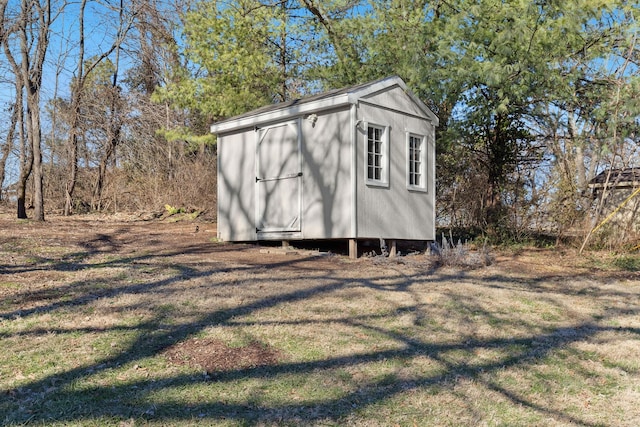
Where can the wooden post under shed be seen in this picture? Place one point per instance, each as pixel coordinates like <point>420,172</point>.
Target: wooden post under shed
<point>353,248</point>
<point>393,248</point>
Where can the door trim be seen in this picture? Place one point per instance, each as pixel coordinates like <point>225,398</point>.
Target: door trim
<point>276,233</point>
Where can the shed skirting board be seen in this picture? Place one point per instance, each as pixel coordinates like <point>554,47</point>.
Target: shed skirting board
<point>268,236</point>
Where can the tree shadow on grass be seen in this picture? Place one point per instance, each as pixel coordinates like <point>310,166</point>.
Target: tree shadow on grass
<point>78,395</point>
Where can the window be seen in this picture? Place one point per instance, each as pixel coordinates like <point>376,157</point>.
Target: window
<point>416,162</point>
<point>377,155</point>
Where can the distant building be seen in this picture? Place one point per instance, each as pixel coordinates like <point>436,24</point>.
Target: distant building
<point>620,185</point>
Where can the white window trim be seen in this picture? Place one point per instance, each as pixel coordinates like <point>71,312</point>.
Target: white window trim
<point>423,162</point>
<point>384,179</point>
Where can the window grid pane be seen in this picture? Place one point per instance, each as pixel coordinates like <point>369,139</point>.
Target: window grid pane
<point>374,153</point>
<point>415,161</point>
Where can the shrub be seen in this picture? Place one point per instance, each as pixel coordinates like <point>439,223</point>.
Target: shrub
<point>461,254</point>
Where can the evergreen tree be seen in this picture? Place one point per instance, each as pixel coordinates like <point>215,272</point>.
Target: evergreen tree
<point>233,59</point>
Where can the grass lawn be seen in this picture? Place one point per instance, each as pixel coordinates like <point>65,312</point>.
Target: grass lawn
<point>135,323</point>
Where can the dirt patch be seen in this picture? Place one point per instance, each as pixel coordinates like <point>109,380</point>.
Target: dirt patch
<point>216,356</point>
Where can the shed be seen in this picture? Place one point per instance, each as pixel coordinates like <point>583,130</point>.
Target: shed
<point>615,179</point>
<point>621,205</point>
<point>356,163</point>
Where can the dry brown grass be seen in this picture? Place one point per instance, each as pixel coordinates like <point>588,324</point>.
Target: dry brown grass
<point>93,311</point>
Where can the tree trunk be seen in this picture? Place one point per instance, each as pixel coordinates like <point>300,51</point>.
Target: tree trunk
<point>114,120</point>
<point>26,165</point>
<point>8,146</point>
<point>26,154</point>
<point>495,177</point>
<point>6,149</point>
<point>73,173</point>
<point>72,141</point>
<point>30,73</point>
<point>36,148</point>
<point>102,170</point>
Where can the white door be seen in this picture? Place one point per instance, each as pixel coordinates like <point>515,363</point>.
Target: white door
<point>278,178</point>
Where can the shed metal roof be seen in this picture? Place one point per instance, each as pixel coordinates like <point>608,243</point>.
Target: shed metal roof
<point>629,177</point>
<point>319,102</point>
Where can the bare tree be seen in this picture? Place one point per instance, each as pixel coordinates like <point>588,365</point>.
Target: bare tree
<point>31,29</point>
<point>8,145</point>
<point>26,152</point>
<point>115,113</point>
<point>77,93</point>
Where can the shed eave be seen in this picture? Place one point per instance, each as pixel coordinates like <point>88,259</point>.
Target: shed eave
<point>434,119</point>
<point>386,84</point>
<point>614,185</point>
<point>345,97</point>
<point>278,114</point>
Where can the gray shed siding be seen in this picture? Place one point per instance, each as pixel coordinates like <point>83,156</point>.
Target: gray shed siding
<point>326,163</point>
<point>326,154</point>
<point>395,211</point>
<point>236,186</point>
